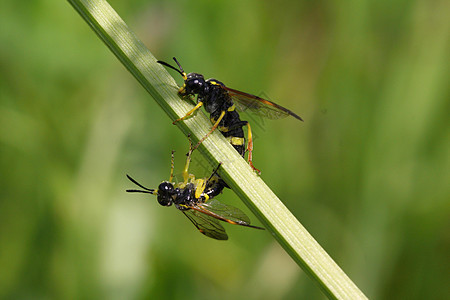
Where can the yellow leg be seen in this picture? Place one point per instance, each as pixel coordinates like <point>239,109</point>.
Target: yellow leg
<point>189,112</point>
<point>201,185</point>
<point>186,174</point>
<point>211,131</point>
<point>171,166</point>
<point>250,149</point>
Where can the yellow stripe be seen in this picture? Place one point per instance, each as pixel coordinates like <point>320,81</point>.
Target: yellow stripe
<point>237,141</point>
<point>231,108</point>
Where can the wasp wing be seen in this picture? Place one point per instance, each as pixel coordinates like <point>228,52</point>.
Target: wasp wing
<point>258,105</point>
<point>224,212</point>
<point>206,224</point>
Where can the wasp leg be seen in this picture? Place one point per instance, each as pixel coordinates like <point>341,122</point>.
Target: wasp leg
<point>200,188</point>
<point>250,149</point>
<point>171,166</point>
<point>189,112</point>
<point>212,129</point>
<point>186,175</point>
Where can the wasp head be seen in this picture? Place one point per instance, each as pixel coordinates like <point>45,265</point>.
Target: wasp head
<point>166,192</point>
<point>193,84</point>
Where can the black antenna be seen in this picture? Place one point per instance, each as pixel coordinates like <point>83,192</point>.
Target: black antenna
<point>147,190</point>
<point>178,64</point>
<point>172,67</point>
<point>139,191</point>
<point>214,172</point>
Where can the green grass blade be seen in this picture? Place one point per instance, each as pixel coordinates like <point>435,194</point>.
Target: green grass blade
<point>291,235</point>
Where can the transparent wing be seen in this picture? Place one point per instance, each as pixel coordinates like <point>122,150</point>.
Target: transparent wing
<point>224,212</point>
<point>206,224</point>
<point>259,106</point>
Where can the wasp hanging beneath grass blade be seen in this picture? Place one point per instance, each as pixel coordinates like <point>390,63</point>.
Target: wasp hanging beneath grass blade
<point>194,197</point>
<point>221,103</point>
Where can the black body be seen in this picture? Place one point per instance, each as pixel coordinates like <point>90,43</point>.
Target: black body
<point>216,100</point>
<point>221,103</point>
<point>183,198</point>
<point>204,212</point>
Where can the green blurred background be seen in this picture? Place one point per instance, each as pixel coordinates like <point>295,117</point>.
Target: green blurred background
<point>367,173</point>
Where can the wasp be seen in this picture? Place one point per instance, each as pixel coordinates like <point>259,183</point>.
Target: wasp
<point>222,103</point>
<point>194,198</point>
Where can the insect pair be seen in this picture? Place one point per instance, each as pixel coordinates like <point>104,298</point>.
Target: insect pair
<point>194,198</point>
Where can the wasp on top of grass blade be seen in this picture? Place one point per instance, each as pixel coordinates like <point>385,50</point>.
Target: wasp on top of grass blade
<point>194,197</point>
<point>221,103</point>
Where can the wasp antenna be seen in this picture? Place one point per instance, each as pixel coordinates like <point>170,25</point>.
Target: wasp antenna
<point>181,69</point>
<point>172,67</point>
<point>139,191</point>
<point>150,191</point>
<point>217,168</point>
<point>214,172</point>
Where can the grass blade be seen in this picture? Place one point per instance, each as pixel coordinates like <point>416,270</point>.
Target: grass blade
<point>291,235</point>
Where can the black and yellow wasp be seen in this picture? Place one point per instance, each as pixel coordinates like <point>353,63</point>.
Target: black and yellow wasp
<point>194,197</point>
<point>221,103</point>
